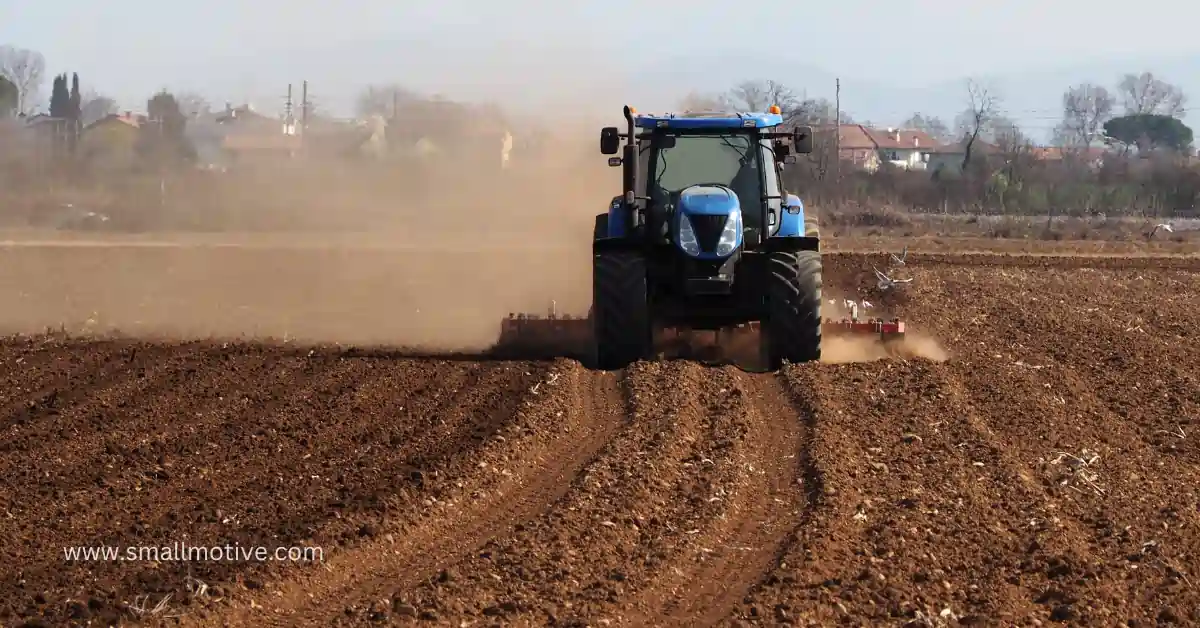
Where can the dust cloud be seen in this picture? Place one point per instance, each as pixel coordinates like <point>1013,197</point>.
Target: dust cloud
<point>846,349</point>
<point>843,349</point>
<point>329,249</point>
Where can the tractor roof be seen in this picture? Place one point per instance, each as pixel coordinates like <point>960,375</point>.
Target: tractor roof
<point>718,120</point>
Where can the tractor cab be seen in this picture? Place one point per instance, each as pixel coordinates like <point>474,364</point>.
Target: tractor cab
<point>681,168</point>
<point>678,160</point>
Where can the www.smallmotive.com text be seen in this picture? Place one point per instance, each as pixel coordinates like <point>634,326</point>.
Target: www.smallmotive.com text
<point>183,552</point>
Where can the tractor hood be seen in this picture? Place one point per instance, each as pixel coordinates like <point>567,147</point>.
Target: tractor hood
<point>708,222</point>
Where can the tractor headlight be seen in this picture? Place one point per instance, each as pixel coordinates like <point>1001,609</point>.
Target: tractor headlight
<point>729,236</point>
<point>687,236</point>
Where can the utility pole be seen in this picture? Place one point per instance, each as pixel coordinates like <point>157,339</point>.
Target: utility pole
<point>162,175</point>
<point>288,119</point>
<point>305,106</point>
<point>837,131</point>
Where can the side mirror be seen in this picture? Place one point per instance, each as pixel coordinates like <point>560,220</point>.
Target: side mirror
<point>802,138</point>
<point>610,140</point>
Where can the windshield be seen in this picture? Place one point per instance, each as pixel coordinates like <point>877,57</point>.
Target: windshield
<point>730,160</point>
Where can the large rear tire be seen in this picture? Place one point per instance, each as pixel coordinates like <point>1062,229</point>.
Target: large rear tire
<point>811,228</point>
<point>792,329</point>
<point>621,309</point>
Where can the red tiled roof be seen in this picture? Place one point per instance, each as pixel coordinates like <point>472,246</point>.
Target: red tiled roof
<point>855,136</point>
<point>128,118</point>
<point>900,138</point>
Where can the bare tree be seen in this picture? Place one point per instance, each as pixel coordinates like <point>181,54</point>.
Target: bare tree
<point>705,102</point>
<point>381,100</point>
<point>816,112</point>
<point>192,104</point>
<point>977,118</point>
<point>95,107</point>
<point>8,98</point>
<point>1086,108</point>
<point>759,95</point>
<point>1144,93</point>
<point>1014,144</point>
<point>24,69</point>
<point>931,125</point>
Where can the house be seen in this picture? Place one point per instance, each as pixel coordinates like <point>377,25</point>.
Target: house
<point>239,134</point>
<point>46,127</point>
<point>868,148</point>
<point>909,150</point>
<point>949,158</point>
<point>111,141</point>
<point>856,146</point>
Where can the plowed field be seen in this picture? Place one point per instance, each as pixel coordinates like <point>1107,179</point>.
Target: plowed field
<point>1047,471</point>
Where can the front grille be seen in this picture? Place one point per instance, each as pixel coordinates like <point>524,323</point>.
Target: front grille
<point>708,230</point>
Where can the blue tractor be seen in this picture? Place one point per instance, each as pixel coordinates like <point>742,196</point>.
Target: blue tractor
<point>705,237</point>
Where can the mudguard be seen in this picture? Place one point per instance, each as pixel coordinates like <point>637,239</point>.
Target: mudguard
<point>791,223</point>
<point>617,218</point>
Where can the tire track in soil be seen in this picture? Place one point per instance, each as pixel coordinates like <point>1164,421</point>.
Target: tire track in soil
<point>621,525</point>
<point>548,433</point>
<point>764,499</point>
<point>912,518</point>
<point>612,525</point>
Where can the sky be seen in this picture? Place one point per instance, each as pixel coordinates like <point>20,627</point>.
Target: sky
<point>251,49</point>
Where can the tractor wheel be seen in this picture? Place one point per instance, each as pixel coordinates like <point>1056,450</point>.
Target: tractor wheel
<point>623,332</point>
<point>810,226</point>
<point>792,329</point>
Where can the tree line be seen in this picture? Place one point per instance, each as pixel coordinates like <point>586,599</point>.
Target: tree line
<point>1122,151</point>
<point>1145,165</point>
<point>161,138</point>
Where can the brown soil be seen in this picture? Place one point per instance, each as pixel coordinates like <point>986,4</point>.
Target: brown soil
<point>1034,460</point>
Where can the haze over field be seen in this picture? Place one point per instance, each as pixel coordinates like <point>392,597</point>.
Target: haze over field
<point>892,59</point>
